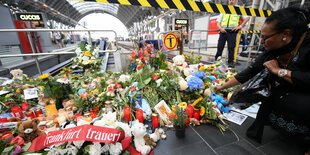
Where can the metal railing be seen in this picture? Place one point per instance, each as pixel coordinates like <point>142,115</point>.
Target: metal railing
<point>35,55</point>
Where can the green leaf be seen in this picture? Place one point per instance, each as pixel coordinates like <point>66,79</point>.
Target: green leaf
<point>147,81</point>
<point>26,146</point>
<point>141,85</point>
<point>126,153</point>
<point>8,150</point>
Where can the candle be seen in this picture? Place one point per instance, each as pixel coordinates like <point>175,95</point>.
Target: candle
<point>70,115</point>
<point>25,106</point>
<point>88,117</point>
<point>127,114</point>
<point>78,116</point>
<point>108,106</point>
<point>139,115</point>
<point>17,112</point>
<point>190,110</point>
<point>93,114</point>
<point>155,120</point>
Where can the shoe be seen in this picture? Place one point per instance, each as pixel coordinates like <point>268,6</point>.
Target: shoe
<point>231,65</point>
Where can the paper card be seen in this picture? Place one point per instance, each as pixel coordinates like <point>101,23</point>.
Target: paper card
<point>245,112</point>
<point>2,92</point>
<point>163,110</point>
<point>30,93</point>
<point>235,117</point>
<point>7,82</point>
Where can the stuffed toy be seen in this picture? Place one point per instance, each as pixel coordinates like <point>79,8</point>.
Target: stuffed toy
<point>138,130</point>
<point>69,103</point>
<point>183,84</point>
<point>111,90</point>
<point>18,74</point>
<point>149,141</point>
<point>14,119</point>
<point>156,135</point>
<point>29,129</point>
<point>178,60</point>
<point>220,102</point>
<point>44,101</point>
<point>188,71</point>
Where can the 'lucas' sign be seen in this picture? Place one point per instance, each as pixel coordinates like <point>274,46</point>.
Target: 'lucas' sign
<point>29,16</point>
<point>84,132</point>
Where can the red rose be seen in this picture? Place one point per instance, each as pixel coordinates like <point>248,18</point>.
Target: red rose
<point>17,141</point>
<point>155,77</point>
<point>139,67</point>
<point>133,88</point>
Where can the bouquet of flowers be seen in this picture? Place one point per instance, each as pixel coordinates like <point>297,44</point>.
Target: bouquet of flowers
<point>192,59</point>
<point>87,58</point>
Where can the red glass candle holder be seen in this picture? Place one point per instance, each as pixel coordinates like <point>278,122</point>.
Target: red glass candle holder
<point>17,112</point>
<point>30,114</point>
<point>155,120</point>
<point>38,112</point>
<point>25,106</point>
<point>78,116</point>
<point>127,114</point>
<point>139,115</point>
<point>190,110</point>
<point>197,114</point>
<point>93,114</point>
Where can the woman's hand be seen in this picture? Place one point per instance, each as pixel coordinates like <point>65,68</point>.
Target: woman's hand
<point>272,66</point>
<point>217,89</point>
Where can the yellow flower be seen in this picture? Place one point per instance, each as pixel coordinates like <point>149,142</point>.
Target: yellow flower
<point>182,105</point>
<point>74,77</point>
<point>198,100</point>
<point>202,68</point>
<point>25,86</point>
<point>192,52</point>
<point>202,111</point>
<point>17,90</point>
<point>44,76</point>
<point>206,84</point>
<point>173,108</point>
<point>96,91</point>
<point>87,53</point>
<point>212,67</point>
<point>7,95</point>
<point>230,76</point>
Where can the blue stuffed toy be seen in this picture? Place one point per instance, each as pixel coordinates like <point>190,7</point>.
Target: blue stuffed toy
<point>220,102</point>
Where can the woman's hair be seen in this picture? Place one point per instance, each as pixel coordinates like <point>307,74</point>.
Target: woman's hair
<point>292,18</point>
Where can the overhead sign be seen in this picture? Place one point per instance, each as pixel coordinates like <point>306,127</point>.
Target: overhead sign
<point>191,5</point>
<point>29,16</point>
<point>170,41</point>
<point>181,21</point>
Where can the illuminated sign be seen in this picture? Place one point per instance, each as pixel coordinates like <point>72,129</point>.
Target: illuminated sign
<point>29,16</point>
<point>181,21</point>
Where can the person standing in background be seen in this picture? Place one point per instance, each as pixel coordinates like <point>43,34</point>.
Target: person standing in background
<point>229,27</point>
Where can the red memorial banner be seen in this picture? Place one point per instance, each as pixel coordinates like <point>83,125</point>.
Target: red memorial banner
<point>84,132</point>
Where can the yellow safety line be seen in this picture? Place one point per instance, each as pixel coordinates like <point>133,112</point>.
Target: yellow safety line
<point>261,12</point>
<point>208,7</point>
<point>178,4</point>
<point>252,12</point>
<point>193,5</point>
<point>124,2</point>
<point>268,12</point>
<point>242,10</point>
<point>237,47</point>
<point>145,3</point>
<point>220,8</point>
<point>102,1</point>
<point>232,9</point>
<point>162,4</point>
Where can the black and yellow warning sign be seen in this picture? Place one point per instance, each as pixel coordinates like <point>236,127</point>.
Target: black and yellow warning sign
<point>170,41</point>
<point>254,31</point>
<point>191,5</point>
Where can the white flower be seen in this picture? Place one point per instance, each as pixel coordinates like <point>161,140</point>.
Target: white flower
<point>78,51</point>
<point>95,149</point>
<point>188,71</point>
<point>88,47</point>
<point>159,81</point>
<point>179,59</point>
<point>78,144</point>
<point>86,62</point>
<point>105,148</point>
<point>108,120</point>
<point>123,78</point>
<point>82,122</point>
<point>125,127</point>
<point>116,149</point>
<point>63,80</point>
<point>85,58</point>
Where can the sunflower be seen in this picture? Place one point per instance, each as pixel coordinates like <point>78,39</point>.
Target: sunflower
<point>212,67</point>
<point>202,111</point>
<point>44,76</point>
<point>202,68</point>
<point>87,53</point>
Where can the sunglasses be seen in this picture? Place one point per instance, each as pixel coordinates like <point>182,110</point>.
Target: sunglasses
<point>267,37</point>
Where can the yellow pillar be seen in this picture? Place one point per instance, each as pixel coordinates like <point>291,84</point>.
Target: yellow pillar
<point>237,46</point>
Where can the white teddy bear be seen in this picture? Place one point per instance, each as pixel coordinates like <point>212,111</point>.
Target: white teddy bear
<point>183,84</point>
<point>138,130</point>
